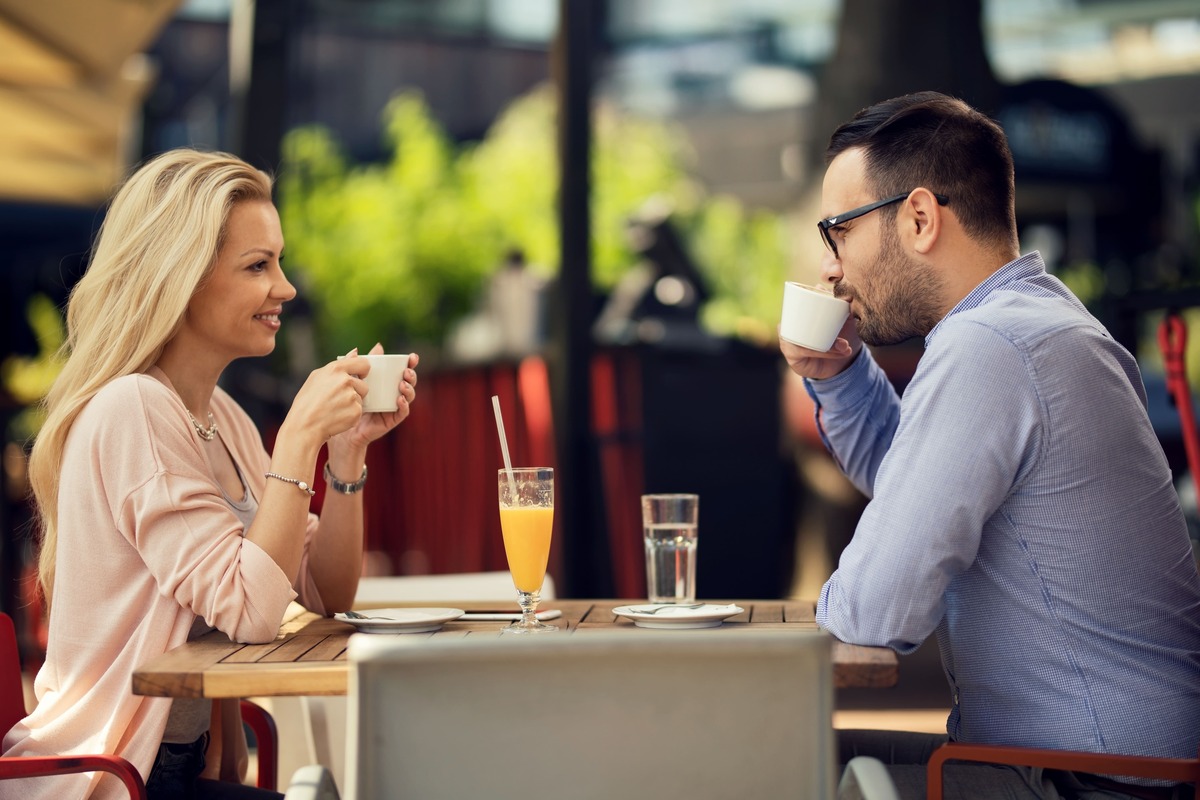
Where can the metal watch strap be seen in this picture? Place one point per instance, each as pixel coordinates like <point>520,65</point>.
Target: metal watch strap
<point>342,486</point>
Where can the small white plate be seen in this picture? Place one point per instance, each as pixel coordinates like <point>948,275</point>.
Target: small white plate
<point>401,620</point>
<point>649,615</point>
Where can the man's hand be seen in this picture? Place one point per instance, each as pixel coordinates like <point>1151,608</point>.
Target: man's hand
<point>817,365</point>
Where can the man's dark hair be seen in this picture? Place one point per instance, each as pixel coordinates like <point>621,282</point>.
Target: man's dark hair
<point>931,140</point>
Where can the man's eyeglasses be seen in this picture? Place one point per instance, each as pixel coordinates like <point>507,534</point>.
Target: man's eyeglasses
<point>832,222</point>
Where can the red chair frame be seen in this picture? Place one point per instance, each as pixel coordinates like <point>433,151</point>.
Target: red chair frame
<point>1180,770</point>
<point>38,766</point>
<point>267,741</point>
<point>12,710</point>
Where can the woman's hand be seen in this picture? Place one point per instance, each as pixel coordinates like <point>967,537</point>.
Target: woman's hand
<point>330,401</point>
<point>373,424</point>
<point>337,559</point>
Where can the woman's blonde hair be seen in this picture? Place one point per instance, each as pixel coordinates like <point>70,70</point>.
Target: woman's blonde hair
<point>155,248</point>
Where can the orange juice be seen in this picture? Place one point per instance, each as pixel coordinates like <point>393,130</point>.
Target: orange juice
<point>527,544</point>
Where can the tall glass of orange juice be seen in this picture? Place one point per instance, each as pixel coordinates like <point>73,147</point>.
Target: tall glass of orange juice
<point>526,520</point>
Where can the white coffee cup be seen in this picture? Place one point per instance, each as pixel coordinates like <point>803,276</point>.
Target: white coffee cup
<point>383,381</point>
<point>811,318</point>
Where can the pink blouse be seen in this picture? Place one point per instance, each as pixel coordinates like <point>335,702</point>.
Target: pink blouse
<point>145,542</point>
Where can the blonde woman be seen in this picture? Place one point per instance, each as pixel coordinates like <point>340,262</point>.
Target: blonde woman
<point>162,515</point>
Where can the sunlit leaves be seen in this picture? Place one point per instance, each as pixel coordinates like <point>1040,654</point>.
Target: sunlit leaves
<point>400,251</point>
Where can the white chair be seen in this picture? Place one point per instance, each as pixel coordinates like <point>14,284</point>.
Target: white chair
<point>312,730</point>
<point>645,714</point>
<point>313,782</point>
<point>864,778</point>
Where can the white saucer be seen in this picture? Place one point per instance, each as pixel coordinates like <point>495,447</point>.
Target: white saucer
<point>401,620</point>
<point>647,615</point>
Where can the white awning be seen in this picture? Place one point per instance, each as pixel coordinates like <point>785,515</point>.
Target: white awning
<point>72,80</point>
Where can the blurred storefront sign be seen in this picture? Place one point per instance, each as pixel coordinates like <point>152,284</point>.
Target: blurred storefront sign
<point>1067,138</point>
<point>1083,174</point>
<point>1058,140</point>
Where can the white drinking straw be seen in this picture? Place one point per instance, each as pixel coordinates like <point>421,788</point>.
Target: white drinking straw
<point>512,483</point>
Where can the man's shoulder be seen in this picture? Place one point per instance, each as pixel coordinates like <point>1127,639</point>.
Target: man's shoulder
<point>1027,315</point>
<point>1042,334</point>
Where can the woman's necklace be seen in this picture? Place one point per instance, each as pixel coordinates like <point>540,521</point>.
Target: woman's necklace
<point>207,434</point>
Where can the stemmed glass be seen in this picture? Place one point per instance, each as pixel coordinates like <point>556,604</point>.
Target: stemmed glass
<point>526,520</point>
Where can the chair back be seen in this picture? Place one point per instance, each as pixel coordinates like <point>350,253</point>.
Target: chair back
<point>313,729</point>
<point>628,714</point>
<point>497,586</point>
<point>12,689</point>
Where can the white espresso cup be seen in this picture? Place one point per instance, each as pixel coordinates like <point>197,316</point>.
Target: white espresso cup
<point>811,318</point>
<point>383,381</point>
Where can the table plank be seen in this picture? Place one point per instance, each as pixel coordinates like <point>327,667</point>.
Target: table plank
<point>180,672</point>
<point>252,653</point>
<point>247,680</point>
<point>309,656</point>
<point>864,667</point>
<point>767,612</point>
<point>294,648</point>
<point>328,649</point>
<point>800,611</point>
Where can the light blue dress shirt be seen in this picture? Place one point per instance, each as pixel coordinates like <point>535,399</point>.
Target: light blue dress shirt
<point>1022,509</point>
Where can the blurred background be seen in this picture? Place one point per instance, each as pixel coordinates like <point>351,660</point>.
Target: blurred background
<point>587,208</point>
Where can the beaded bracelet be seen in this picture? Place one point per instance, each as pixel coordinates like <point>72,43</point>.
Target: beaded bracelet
<point>301,485</point>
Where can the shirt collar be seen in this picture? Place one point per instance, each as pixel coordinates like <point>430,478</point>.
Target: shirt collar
<point>1027,266</point>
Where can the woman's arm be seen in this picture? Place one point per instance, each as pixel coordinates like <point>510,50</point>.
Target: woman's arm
<point>335,559</point>
<point>335,562</point>
<point>328,404</point>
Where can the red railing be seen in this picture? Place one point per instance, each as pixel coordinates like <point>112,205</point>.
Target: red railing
<point>431,507</point>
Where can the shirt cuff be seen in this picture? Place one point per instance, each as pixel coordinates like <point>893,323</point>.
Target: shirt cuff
<point>850,388</point>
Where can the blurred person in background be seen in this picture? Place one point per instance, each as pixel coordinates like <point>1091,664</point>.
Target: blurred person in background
<point>162,515</point>
<point>1021,508</point>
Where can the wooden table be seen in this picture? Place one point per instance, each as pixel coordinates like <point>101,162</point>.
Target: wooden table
<point>309,655</point>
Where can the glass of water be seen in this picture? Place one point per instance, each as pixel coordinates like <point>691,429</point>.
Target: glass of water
<point>669,528</point>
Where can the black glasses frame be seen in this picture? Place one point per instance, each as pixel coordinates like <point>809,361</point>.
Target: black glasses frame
<point>830,222</point>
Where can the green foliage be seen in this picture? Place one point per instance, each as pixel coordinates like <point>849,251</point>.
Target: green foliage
<point>385,250</point>
<point>399,251</point>
<point>28,380</point>
<point>745,262</point>
<point>1085,279</point>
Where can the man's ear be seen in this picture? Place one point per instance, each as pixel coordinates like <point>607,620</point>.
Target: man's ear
<point>921,219</point>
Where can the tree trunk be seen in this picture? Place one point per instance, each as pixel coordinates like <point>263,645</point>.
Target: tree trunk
<point>887,48</point>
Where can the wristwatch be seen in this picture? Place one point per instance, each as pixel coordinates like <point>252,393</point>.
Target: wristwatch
<point>343,487</point>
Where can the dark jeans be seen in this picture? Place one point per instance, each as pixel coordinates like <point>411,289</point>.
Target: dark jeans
<point>176,776</point>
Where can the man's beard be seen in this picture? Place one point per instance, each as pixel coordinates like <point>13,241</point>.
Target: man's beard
<point>905,296</point>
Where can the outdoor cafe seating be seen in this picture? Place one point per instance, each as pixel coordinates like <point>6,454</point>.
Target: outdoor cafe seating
<point>314,728</point>
<point>12,709</point>
<point>596,715</point>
